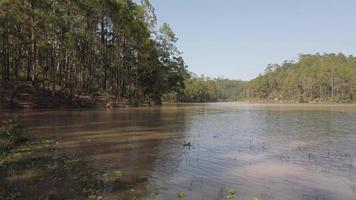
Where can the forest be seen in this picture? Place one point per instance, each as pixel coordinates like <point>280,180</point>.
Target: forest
<point>205,89</point>
<point>312,78</point>
<point>114,48</point>
<point>87,48</point>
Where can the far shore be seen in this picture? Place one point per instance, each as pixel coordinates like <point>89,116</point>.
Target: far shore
<point>118,106</point>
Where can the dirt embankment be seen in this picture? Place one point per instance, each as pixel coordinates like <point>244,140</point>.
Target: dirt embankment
<point>28,96</point>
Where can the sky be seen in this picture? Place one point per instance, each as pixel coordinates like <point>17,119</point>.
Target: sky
<point>237,39</point>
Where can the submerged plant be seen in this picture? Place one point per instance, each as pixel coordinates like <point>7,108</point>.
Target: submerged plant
<point>180,195</point>
<point>230,194</point>
<point>10,134</point>
<point>118,174</point>
<point>95,197</point>
<point>155,192</point>
<point>187,144</point>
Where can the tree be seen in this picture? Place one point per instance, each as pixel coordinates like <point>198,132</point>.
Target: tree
<point>328,77</point>
<point>88,47</point>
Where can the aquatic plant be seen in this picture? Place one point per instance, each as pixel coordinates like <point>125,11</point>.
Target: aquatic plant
<point>10,134</point>
<point>230,194</point>
<point>110,178</point>
<point>95,197</point>
<point>133,197</point>
<point>180,195</point>
<point>155,192</point>
<point>187,144</point>
<point>118,173</point>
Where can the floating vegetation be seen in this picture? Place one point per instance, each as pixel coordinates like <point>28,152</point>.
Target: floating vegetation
<point>10,135</point>
<point>153,190</point>
<point>256,198</point>
<point>118,173</point>
<point>187,144</point>
<point>112,177</point>
<point>231,194</point>
<point>180,195</point>
<point>71,161</point>
<point>38,162</point>
<point>95,197</point>
<point>133,197</point>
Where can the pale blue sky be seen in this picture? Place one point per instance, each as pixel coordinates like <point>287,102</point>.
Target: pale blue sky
<point>238,38</point>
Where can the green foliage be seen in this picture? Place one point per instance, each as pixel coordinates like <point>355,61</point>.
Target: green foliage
<point>180,195</point>
<point>211,90</point>
<point>95,197</point>
<point>10,134</point>
<point>88,47</point>
<point>313,78</point>
<point>155,192</point>
<point>231,194</point>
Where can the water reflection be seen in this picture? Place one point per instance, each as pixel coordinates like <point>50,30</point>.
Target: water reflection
<point>265,151</point>
<point>303,153</point>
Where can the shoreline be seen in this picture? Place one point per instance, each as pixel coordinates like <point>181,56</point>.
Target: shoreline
<point>97,106</point>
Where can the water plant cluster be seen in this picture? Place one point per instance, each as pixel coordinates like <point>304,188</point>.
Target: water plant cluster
<point>10,134</point>
<point>62,176</point>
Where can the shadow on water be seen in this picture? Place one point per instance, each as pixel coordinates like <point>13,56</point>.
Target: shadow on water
<point>205,151</point>
<point>90,154</point>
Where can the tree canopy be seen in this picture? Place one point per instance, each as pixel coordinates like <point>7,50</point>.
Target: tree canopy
<point>88,47</point>
<point>312,78</point>
<point>205,89</point>
<point>114,47</point>
<point>320,78</point>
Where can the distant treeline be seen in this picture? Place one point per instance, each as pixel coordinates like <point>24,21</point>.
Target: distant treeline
<point>312,78</point>
<point>319,78</point>
<point>88,47</point>
<point>201,89</point>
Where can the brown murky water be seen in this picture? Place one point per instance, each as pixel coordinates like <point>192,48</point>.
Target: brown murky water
<point>267,151</point>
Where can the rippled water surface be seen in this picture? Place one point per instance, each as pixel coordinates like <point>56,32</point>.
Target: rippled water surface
<point>266,151</point>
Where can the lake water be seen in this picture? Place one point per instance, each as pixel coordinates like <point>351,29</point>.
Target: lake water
<point>267,151</point>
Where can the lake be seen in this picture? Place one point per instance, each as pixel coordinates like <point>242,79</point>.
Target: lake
<point>271,151</point>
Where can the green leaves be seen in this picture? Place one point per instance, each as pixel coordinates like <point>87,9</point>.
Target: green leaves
<point>87,48</point>
<point>202,89</point>
<point>312,78</point>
